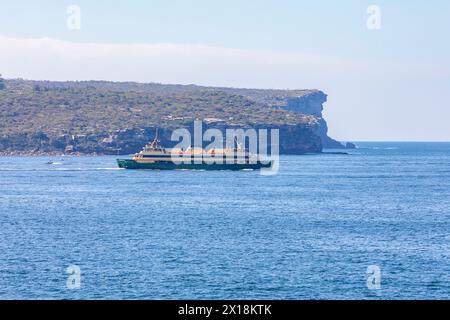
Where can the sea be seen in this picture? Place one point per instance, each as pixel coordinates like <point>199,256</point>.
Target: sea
<point>373,224</point>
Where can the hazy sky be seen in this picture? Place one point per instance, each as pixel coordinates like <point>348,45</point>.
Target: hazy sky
<point>391,83</point>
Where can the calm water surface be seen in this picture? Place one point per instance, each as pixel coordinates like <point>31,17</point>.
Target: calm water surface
<point>309,232</point>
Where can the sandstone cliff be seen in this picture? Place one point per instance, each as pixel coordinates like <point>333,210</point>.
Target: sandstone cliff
<point>42,117</point>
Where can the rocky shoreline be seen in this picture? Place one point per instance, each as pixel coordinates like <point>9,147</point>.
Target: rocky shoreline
<point>46,154</point>
<point>44,118</point>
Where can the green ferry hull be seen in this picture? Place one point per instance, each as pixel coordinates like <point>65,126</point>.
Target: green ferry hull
<point>169,165</point>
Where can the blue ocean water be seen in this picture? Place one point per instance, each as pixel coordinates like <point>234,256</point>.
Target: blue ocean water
<point>309,232</point>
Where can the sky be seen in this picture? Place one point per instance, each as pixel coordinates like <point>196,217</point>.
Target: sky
<point>386,72</point>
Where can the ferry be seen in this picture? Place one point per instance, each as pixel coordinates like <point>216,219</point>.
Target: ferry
<point>156,157</point>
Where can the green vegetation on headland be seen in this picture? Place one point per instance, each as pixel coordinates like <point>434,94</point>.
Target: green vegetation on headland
<point>43,117</point>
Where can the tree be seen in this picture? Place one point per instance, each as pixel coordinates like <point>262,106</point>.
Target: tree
<point>2,83</point>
